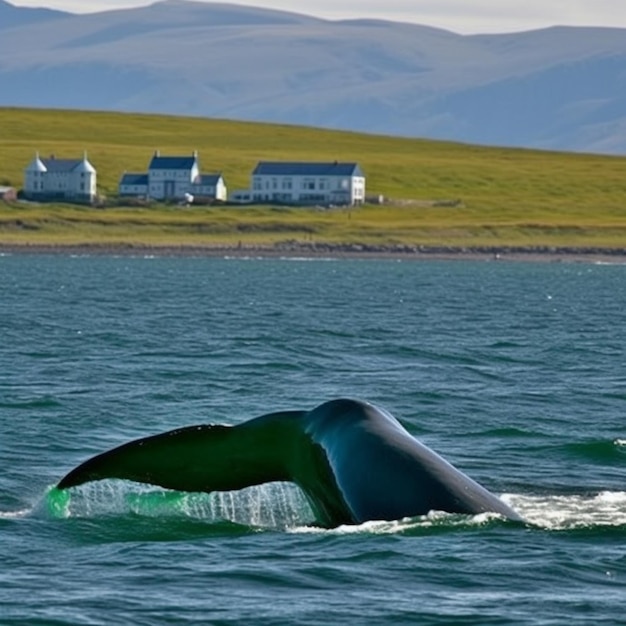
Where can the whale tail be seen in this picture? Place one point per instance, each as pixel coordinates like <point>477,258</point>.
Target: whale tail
<point>353,462</point>
<point>201,458</point>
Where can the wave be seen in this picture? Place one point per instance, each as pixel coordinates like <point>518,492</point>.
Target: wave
<point>597,450</point>
<point>45,402</point>
<point>508,432</point>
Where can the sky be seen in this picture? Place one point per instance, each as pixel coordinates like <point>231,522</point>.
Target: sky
<point>460,16</point>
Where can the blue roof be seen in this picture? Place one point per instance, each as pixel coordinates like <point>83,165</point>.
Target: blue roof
<point>209,179</point>
<point>287,168</point>
<point>172,162</point>
<point>134,179</point>
<point>61,165</point>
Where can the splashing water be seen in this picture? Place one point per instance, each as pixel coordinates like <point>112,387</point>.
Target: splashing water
<point>273,505</point>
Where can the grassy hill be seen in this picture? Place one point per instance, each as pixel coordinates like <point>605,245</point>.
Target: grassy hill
<point>442,193</point>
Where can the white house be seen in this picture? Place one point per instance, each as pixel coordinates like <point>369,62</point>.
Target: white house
<point>308,183</point>
<point>211,187</point>
<point>60,179</point>
<point>173,178</point>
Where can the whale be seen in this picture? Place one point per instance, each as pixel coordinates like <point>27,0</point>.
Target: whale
<point>354,462</point>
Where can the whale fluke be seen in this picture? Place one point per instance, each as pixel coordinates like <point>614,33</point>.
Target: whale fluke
<point>354,462</point>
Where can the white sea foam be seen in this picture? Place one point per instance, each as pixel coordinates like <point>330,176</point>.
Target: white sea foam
<point>549,512</point>
<point>15,514</point>
<point>434,519</point>
<point>556,512</point>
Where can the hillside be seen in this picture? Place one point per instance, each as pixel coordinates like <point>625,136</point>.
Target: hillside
<point>558,88</point>
<point>443,193</point>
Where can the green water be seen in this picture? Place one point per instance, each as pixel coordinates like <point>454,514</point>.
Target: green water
<point>514,372</point>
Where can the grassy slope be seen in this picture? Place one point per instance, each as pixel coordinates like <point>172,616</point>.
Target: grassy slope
<point>507,197</point>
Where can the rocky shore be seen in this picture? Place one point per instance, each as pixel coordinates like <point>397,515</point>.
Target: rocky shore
<point>328,250</point>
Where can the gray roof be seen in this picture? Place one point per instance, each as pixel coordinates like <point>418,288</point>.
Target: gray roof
<point>288,168</point>
<point>61,165</point>
<point>209,179</point>
<point>134,179</point>
<point>172,162</point>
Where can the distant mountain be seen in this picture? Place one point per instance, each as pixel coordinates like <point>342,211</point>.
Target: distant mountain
<point>11,16</point>
<point>558,88</point>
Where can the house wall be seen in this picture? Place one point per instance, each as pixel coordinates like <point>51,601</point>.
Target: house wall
<point>84,184</point>
<point>221,192</point>
<point>64,185</point>
<point>241,196</point>
<point>31,182</point>
<point>171,183</point>
<point>309,189</point>
<point>133,190</point>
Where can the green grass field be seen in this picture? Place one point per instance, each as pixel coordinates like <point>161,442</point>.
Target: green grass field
<point>443,193</point>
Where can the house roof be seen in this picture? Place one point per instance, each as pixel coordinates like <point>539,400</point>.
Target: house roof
<point>287,168</point>
<point>52,164</point>
<point>60,165</point>
<point>172,162</point>
<point>86,167</point>
<point>134,179</point>
<point>209,179</point>
<point>36,165</point>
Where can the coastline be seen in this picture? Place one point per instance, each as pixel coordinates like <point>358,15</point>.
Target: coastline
<point>568,254</point>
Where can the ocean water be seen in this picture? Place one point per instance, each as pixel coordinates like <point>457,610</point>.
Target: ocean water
<point>515,372</point>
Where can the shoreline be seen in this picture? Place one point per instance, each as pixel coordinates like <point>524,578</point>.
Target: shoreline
<point>570,254</point>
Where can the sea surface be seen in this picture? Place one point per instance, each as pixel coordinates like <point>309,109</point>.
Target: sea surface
<point>515,372</point>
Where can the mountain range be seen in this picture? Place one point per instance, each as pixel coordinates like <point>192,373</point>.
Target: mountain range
<point>558,88</point>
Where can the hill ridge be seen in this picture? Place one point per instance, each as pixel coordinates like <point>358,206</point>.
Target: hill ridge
<point>557,88</point>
